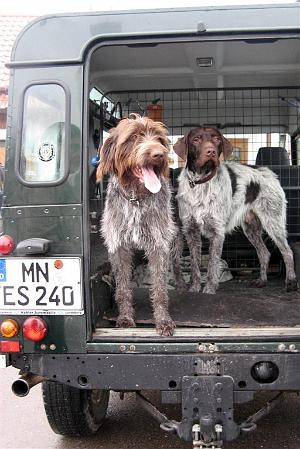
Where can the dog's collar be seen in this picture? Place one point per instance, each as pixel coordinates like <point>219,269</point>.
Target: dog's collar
<point>131,198</point>
<point>193,182</point>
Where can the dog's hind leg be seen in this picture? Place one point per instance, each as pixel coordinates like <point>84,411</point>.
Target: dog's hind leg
<point>193,238</point>
<point>253,230</point>
<point>122,269</point>
<point>275,227</point>
<point>158,266</point>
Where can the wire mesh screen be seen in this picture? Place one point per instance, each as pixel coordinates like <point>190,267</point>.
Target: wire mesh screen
<point>263,125</point>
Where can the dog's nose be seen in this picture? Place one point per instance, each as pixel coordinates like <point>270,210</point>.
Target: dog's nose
<point>211,152</point>
<point>157,155</point>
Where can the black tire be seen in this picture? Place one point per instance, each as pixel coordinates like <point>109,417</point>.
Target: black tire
<point>74,412</point>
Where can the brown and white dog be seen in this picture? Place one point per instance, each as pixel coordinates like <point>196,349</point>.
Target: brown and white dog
<point>216,197</point>
<point>137,213</point>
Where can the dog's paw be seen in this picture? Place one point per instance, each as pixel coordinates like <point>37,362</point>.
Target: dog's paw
<point>258,283</point>
<point>165,327</point>
<point>181,286</point>
<point>196,288</point>
<point>210,290</point>
<point>291,285</point>
<point>125,322</point>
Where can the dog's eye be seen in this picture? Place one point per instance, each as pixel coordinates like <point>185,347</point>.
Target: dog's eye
<point>133,137</point>
<point>196,138</point>
<point>216,138</point>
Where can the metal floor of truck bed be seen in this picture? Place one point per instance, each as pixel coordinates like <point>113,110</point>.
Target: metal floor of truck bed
<point>236,305</point>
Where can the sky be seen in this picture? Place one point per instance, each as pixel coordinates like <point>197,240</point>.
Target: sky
<point>39,7</point>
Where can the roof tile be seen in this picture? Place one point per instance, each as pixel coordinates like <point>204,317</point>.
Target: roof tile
<point>10,27</point>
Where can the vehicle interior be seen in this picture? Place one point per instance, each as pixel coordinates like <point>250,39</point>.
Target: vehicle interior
<point>249,89</point>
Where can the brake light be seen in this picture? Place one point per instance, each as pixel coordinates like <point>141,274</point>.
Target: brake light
<point>9,328</point>
<point>35,328</point>
<point>9,346</point>
<point>7,244</point>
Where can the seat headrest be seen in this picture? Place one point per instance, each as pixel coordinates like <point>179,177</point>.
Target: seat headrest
<point>272,156</point>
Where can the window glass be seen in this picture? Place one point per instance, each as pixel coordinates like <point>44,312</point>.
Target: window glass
<point>43,134</point>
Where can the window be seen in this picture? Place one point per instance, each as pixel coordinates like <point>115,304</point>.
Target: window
<point>43,150</point>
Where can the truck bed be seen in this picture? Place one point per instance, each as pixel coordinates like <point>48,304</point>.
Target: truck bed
<point>236,304</point>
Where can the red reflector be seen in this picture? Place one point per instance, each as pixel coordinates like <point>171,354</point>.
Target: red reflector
<point>35,328</point>
<point>6,244</point>
<point>9,346</point>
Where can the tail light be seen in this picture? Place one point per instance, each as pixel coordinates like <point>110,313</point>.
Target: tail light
<point>7,244</point>
<point>9,328</point>
<point>35,328</point>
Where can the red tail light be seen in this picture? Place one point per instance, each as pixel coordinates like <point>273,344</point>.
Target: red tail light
<point>35,328</point>
<point>7,244</point>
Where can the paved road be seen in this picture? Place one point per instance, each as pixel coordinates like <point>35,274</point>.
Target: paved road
<point>23,425</point>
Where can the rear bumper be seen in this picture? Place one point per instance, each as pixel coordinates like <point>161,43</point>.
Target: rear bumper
<point>207,386</point>
<point>128,372</point>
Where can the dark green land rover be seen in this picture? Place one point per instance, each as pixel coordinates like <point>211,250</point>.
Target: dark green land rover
<point>73,77</point>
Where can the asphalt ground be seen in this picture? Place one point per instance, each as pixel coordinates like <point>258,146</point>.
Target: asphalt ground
<point>23,424</point>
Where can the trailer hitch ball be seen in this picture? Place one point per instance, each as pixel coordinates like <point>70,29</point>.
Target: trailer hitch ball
<point>265,372</point>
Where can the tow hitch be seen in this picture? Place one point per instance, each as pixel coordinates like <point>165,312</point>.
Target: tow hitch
<point>199,436</point>
<point>207,412</point>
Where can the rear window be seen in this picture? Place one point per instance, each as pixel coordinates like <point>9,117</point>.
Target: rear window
<point>43,152</point>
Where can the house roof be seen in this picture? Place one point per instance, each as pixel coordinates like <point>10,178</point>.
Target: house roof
<point>10,27</point>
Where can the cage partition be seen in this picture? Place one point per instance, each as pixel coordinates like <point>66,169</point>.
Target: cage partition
<point>263,125</point>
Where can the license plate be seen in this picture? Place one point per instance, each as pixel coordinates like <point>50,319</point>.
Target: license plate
<point>49,286</point>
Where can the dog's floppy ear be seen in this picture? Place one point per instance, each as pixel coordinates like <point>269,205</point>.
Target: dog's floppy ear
<point>107,157</point>
<point>227,148</point>
<point>181,147</point>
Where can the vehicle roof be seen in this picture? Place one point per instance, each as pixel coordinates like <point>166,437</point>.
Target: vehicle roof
<point>65,37</point>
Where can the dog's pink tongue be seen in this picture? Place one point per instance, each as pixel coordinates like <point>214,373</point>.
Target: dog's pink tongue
<point>152,183</point>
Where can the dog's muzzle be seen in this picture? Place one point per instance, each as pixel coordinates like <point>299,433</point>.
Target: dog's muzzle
<point>209,166</point>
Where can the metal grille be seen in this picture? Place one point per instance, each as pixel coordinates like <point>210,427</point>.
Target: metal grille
<point>263,125</point>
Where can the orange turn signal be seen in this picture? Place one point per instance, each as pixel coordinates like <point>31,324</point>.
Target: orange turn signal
<point>9,328</point>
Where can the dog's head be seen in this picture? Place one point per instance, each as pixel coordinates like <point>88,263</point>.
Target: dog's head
<point>137,148</point>
<point>201,148</point>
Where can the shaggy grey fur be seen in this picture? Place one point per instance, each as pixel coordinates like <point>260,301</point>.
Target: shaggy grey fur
<point>146,225</point>
<point>213,209</point>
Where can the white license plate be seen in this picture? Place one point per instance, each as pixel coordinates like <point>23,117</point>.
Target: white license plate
<point>49,286</point>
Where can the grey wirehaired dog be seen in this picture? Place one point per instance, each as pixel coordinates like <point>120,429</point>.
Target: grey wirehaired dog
<point>214,198</point>
<point>137,213</point>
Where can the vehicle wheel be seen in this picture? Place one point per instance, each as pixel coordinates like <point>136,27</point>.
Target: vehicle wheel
<point>74,412</point>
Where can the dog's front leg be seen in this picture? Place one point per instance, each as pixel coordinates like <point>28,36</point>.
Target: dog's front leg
<point>193,238</point>
<point>176,254</point>
<point>213,267</point>
<point>158,266</point>
<point>122,269</point>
